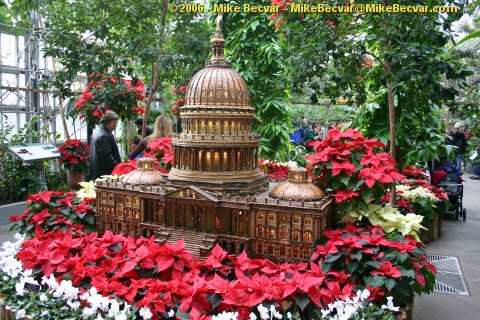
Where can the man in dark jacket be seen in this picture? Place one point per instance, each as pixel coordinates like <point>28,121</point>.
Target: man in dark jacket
<point>104,154</point>
<point>458,139</point>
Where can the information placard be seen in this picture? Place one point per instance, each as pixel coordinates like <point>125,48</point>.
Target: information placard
<point>35,152</point>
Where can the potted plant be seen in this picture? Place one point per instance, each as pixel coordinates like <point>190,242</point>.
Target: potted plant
<point>353,167</point>
<point>388,264</point>
<point>74,155</point>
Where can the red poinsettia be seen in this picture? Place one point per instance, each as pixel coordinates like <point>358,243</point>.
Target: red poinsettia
<point>74,155</point>
<point>274,170</point>
<point>353,167</point>
<point>390,264</point>
<point>180,99</point>
<point>105,92</point>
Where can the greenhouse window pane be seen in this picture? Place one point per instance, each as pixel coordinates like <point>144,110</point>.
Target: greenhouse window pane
<point>8,52</point>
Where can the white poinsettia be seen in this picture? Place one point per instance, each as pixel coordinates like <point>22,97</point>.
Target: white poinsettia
<point>417,193</point>
<point>405,224</point>
<point>87,190</point>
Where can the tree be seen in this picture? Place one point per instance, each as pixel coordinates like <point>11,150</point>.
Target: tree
<point>253,48</point>
<point>390,65</point>
<point>120,38</point>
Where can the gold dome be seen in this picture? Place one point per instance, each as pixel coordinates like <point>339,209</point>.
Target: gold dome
<point>217,149</point>
<point>297,187</point>
<point>145,174</point>
<point>217,85</point>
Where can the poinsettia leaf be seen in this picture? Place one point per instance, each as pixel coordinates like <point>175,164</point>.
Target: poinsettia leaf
<point>359,183</point>
<point>345,180</point>
<point>336,183</point>
<point>302,300</point>
<point>332,257</point>
<point>215,300</point>
<point>116,247</point>
<point>362,205</point>
<point>389,283</point>
<point>402,256</point>
<point>375,281</point>
<point>421,279</point>
<point>182,315</point>
<point>407,273</point>
<point>352,266</point>
<point>90,219</point>
<point>357,255</point>
<point>326,266</point>
<point>375,264</point>
<point>417,251</point>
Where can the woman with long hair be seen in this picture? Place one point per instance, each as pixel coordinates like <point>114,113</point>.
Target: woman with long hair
<point>162,128</point>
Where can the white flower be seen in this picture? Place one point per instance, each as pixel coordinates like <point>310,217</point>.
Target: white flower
<point>20,314</point>
<point>43,297</point>
<point>390,305</point>
<point>114,308</point>
<point>73,305</point>
<point>19,288</point>
<point>253,316</point>
<point>121,316</point>
<point>171,313</point>
<point>145,313</point>
<point>88,312</point>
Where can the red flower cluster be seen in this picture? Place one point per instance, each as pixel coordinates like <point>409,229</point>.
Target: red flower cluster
<point>74,155</point>
<point>180,93</point>
<point>274,170</point>
<point>160,150</point>
<point>388,264</point>
<point>52,210</point>
<point>411,172</point>
<point>108,93</point>
<point>352,167</point>
<point>166,277</point>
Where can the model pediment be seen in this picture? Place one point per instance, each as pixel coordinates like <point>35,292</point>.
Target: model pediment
<point>191,193</point>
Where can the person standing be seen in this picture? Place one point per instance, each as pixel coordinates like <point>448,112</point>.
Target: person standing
<point>104,154</point>
<point>139,124</point>
<point>458,139</point>
<point>162,128</point>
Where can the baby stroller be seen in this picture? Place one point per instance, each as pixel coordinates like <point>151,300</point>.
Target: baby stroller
<point>452,184</point>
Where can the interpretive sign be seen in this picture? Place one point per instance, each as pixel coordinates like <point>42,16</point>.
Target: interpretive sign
<point>35,152</point>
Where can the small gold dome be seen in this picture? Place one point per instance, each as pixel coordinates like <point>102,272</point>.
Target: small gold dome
<point>145,174</point>
<point>297,187</point>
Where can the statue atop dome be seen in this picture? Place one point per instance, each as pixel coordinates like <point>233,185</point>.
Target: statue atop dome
<point>218,21</point>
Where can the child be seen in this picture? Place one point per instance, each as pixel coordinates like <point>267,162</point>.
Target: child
<point>135,142</point>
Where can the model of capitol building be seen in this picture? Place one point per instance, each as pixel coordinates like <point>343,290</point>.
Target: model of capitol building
<point>297,187</point>
<point>215,192</point>
<point>145,174</point>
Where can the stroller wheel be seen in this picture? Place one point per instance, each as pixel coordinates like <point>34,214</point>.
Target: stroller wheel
<point>457,212</point>
<point>464,214</point>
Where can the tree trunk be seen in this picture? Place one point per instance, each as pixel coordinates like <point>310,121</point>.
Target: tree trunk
<point>155,70</point>
<point>391,110</point>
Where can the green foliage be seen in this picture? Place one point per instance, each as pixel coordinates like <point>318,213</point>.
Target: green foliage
<point>406,51</point>
<point>97,36</point>
<point>254,50</point>
<point>17,179</point>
